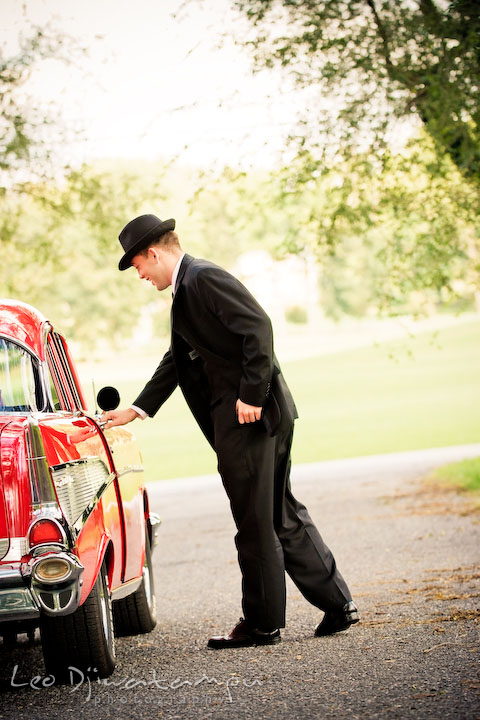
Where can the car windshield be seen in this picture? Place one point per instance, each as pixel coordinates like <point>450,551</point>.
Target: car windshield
<point>17,378</point>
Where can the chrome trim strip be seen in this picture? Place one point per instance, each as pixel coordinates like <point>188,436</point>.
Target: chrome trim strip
<point>155,522</point>
<point>4,545</point>
<point>20,343</point>
<point>47,328</point>
<point>48,405</point>
<point>79,485</point>
<point>75,463</point>
<point>129,469</point>
<point>127,588</point>
<point>18,548</point>
<point>78,525</point>
<point>39,471</point>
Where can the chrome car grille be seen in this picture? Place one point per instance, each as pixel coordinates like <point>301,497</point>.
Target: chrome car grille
<point>78,484</point>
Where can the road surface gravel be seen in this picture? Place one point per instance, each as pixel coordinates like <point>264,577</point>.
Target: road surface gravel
<point>410,553</point>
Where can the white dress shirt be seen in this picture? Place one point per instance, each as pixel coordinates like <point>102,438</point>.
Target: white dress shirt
<point>176,269</point>
<point>175,273</point>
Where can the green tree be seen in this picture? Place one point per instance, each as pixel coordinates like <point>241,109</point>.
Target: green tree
<point>30,139</point>
<point>234,212</point>
<point>369,64</point>
<point>59,226</point>
<point>62,252</point>
<point>26,149</point>
<point>386,172</point>
<point>399,238</point>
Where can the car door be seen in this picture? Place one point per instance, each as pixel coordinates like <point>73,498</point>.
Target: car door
<point>124,454</point>
<point>79,457</point>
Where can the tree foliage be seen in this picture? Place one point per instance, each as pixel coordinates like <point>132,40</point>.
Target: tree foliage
<point>385,176</point>
<point>26,147</point>
<point>396,239</point>
<point>60,252</point>
<point>369,64</point>
<point>58,225</point>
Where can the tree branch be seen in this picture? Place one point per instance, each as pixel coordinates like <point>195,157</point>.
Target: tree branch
<point>382,31</point>
<point>433,18</point>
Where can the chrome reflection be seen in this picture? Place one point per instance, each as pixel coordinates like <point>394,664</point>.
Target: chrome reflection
<point>79,483</point>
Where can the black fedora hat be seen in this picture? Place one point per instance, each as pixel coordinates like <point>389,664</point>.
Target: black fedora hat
<point>138,233</point>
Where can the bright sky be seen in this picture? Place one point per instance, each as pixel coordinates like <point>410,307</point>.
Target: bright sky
<point>157,80</point>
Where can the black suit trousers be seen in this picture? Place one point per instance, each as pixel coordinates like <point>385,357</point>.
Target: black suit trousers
<point>274,531</point>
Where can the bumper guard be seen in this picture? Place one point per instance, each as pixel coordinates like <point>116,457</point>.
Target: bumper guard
<point>24,594</point>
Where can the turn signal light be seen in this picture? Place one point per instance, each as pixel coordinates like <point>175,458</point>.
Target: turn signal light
<point>44,531</point>
<point>52,569</point>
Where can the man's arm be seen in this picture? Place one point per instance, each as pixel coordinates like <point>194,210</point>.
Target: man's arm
<point>156,391</point>
<point>159,388</point>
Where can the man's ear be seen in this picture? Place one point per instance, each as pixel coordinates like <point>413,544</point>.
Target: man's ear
<point>153,253</point>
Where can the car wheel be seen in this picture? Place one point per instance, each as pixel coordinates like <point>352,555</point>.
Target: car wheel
<point>137,613</point>
<point>84,640</point>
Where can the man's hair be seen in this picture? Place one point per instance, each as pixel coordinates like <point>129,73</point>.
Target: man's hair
<point>166,241</point>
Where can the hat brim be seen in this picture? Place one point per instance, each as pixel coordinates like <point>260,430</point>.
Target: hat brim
<point>152,234</point>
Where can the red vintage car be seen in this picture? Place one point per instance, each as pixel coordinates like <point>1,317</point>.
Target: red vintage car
<point>76,532</point>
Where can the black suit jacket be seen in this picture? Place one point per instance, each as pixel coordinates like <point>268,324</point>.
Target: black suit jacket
<point>221,342</point>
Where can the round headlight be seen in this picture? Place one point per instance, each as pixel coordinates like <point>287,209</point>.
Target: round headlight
<point>52,569</point>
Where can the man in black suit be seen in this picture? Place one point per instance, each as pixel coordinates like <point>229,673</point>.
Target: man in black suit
<point>221,356</point>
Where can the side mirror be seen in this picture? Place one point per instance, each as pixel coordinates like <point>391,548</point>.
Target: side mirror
<point>108,398</point>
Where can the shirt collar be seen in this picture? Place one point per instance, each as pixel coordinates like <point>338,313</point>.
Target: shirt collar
<point>175,273</point>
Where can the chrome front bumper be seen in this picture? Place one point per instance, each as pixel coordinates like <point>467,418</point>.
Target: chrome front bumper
<point>23,596</point>
<point>154,521</point>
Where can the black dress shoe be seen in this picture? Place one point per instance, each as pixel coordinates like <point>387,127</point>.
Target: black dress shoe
<point>335,621</point>
<point>243,635</point>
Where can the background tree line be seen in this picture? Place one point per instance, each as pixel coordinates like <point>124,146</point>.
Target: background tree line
<point>391,124</point>
<point>393,224</point>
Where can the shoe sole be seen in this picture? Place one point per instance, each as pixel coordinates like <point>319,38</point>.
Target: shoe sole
<point>340,630</point>
<point>228,646</point>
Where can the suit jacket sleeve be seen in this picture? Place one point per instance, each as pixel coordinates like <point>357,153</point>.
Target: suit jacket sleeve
<point>160,387</point>
<point>236,308</point>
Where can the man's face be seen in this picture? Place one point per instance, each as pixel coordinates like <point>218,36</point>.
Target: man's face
<point>153,268</point>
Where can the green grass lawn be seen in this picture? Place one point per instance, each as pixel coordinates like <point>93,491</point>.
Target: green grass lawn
<point>463,475</point>
<point>405,395</point>
<point>397,396</point>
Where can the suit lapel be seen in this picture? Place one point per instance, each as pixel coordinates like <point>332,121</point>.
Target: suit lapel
<point>187,259</point>
<point>183,268</point>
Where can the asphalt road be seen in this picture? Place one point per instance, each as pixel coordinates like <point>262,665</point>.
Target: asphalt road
<point>410,554</point>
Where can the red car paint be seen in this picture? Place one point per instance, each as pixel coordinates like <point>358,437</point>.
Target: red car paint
<point>56,461</point>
